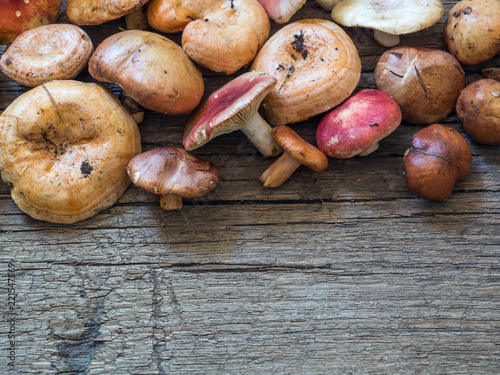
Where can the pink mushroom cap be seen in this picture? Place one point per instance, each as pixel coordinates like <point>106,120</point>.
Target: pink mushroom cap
<point>356,126</point>
<point>280,11</point>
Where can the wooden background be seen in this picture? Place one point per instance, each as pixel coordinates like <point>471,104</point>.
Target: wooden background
<point>344,272</point>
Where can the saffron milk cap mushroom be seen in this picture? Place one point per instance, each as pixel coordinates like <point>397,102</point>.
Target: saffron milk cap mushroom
<point>221,35</point>
<point>424,82</point>
<point>234,107</point>
<point>280,11</point>
<point>472,30</point>
<point>296,152</point>
<point>46,53</point>
<point>388,18</point>
<point>316,65</point>
<point>95,12</point>
<point>154,70</point>
<point>356,126</point>
<point>173,173</point>
<point>64,146</point>
<point>18,16</point>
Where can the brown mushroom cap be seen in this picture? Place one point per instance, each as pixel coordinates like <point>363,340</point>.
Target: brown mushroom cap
<point>301,150</point>
<point>478,108</point>
<point>64,159</point>
<point>18,16</point>
<point>425,83</point>
<point>95,12</point>
<point>220,35</point>
<point>151,68</point>
<point>46,53</point>
<point>472,30</point>
<point>317,67</point>
<point>439,157</point>
<point>171,170</point>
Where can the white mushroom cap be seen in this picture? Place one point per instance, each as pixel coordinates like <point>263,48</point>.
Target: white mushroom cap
<point>394,17</point>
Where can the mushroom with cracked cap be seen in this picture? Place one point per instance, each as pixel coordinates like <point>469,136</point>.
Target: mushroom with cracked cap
<point>388,18</point>
<point>296,152</point>
<point>173,173</point>
<point>64,159</point>
<point>221,35</point>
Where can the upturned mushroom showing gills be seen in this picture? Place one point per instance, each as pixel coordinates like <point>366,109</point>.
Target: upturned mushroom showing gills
<point>95,12</point>
<point>221,35</point>
<point>280,11</point>
<point>357,125</point>
<point>296,152</point>
<point>478,108</point>
<point>317,67</point>
<point>154,70</point>
<point>18,16</point>
<point>472,31</point>
<point>64,146</point>
<point>234,107</point>
<point>173,173</point>
<point>388,18</point>
<point>438,158</point>
<point>47,53</point>
<point>424,82</point>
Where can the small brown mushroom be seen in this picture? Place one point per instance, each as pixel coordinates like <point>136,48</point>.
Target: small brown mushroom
<point>296,152</point>
<point>18,16</point>
<point>493,73</point>
<point>472,30</point>
<point>438,158</point>
<point>47,53</point>
<point>424,82</point>
<point>173,173</point>
<point>478,107</point>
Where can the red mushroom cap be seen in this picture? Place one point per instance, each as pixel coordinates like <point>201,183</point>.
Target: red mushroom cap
<point>356,126</point>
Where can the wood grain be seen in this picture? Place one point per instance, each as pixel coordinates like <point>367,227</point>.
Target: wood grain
<point>343,272</point>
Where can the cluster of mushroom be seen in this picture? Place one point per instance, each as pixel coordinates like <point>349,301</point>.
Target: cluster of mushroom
<point>307,68</point>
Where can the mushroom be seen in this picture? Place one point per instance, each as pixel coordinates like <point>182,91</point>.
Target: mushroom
<point>173,173</point>
<point>297,152</point>
<point>425,83</point>
<point>64,146</point>
<point>280,11</point>
<point>95,12</point>
<point>357,125</point>
<point>328,4</point>
<point>234,107</point>
<point>151,68</point>
<point>478,108</point>
<point>492,73</point>
<point>317,67</point>
<point>221,35</point>
<point>472,30</point>
<point>388,18</point>
<point>21,15</point>
<point>438,158</point>
<point>46,53</point>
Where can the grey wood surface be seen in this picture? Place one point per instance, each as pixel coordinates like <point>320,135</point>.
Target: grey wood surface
<point>344,272</point>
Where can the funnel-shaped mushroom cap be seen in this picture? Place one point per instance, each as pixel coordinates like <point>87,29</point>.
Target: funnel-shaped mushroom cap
<point>64,147</point>
<point>356,126</point>
<point>18,16</point>
<point>95,12</point>
<point>280,11</point>
<point>317,67</point>
<point>173,171</point>
<point>151,68</point>
<point>228,109</point>
<point>394,17</point>
<point>221,35</point>
<point>47,53</point>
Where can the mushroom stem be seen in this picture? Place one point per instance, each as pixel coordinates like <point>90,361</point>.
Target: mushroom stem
<point>279,171</point>
<point>259,133</point>
<point>137,20</point>
<point>385,39</point>
<point>170,202</point>
<point>373,147</point>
